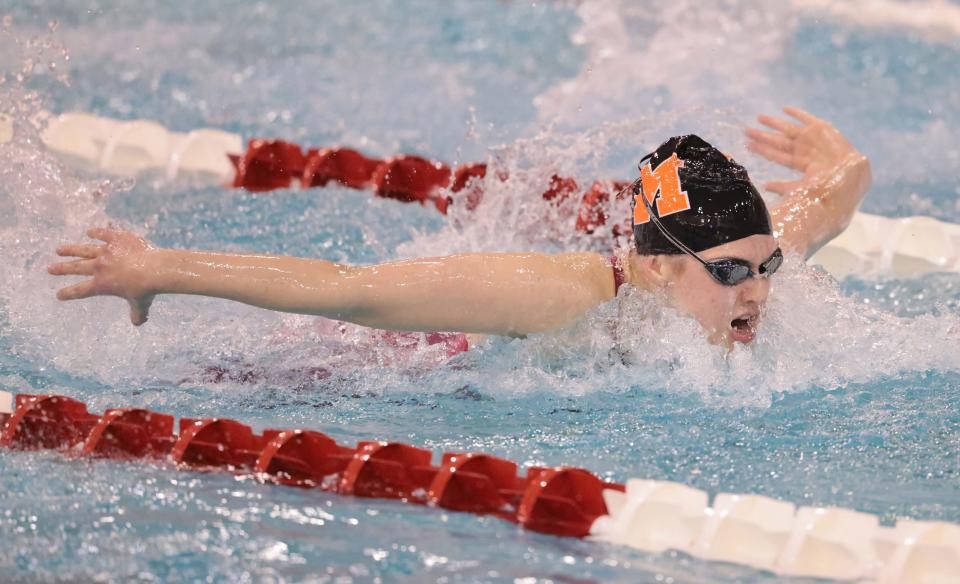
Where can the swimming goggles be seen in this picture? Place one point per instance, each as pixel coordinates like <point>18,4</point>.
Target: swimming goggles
<point>727,271</point>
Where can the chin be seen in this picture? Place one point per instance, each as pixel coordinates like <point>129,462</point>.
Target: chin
<point>720,338</point>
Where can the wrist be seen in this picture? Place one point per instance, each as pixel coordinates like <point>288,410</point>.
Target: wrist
<point>162,269</point>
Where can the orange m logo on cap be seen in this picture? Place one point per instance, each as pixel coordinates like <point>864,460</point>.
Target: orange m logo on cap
<point>661,186</point>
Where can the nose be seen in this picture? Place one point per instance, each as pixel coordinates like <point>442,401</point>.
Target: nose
<point>754,291</point>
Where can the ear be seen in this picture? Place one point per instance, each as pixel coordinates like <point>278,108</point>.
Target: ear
<point>652,269</point>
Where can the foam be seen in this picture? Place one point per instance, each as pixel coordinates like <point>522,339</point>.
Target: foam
<point>6,129</point>
<point>648,62</point>
<point>934,20</point>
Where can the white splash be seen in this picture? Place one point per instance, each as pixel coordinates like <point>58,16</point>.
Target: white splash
<point>643,61</point>
<point>812,335</point>
<point>934,20</point>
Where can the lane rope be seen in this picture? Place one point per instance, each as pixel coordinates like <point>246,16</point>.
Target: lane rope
<point>656,516</point>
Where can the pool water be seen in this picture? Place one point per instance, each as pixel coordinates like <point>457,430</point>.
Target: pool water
<point>850,397</point>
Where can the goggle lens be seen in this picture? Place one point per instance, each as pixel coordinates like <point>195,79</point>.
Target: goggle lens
<point>733,272</point>
<point>728,273</point>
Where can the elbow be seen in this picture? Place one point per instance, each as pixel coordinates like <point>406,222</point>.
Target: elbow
<point>341,294</point>
<point>860,174</point>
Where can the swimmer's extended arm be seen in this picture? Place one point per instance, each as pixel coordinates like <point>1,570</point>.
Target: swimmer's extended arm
<point>818,206</point>
<point>507,294</point>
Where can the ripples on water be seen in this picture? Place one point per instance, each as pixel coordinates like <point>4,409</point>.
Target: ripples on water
<point>850,396</point>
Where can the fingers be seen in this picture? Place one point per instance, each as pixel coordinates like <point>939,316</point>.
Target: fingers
<point>102,233</point>
<point>778,141</point>
<point>77,291</point>
<point>79,250</point>
<point>139,310</point>
<point>75,268</point>
<point>774,154</point>
<point>802,115</point>
<point>788,128</point>
<point>137,315</point>
<point>783,188</point>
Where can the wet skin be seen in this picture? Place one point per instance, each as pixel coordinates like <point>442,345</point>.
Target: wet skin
<point>692,290</point>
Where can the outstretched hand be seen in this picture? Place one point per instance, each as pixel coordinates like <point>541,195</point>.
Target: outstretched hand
<point>806,144</point>
<point>120,266</point>
<point>819,205</point>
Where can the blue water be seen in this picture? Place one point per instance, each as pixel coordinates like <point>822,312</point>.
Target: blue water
<point>852,398</point>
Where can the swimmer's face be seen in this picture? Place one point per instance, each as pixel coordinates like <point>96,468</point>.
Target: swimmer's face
<point>729,314</point>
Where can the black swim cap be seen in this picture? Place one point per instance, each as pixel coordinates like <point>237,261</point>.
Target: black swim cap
<point>701,197</point>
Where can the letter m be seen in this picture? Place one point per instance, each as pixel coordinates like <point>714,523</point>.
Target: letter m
<point>662,187</point>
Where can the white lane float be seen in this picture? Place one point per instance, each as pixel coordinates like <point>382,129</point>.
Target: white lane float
<point>927,552</point>
<point>137,147</point>
<point>882,246</point>
<point>774,536</point>
<point>830,543</point>
<point>744,529</point>
<point>653,516</point>
<point>6,403</point>
<point>872,246</point>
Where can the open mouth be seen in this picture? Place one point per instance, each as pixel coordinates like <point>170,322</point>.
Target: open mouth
<point>743,329</point>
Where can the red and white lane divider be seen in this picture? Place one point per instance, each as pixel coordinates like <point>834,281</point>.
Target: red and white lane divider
<point>655,516</point>
<point>872,245</point>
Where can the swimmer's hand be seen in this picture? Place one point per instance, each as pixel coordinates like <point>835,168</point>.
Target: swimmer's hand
<point>819,205</point>
<point>121,266</point>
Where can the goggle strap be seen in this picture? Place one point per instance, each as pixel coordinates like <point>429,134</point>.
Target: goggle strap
<point>637,188</point>
<point>656,221</point>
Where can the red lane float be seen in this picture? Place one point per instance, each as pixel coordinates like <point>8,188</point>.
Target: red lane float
<point>343,165</point>
<point>48,421</point>
<point>275,164</point>
<point>130,433</point>
<point>268,165</point>
<point>301,458</point>
<point>388,470</point>
<point>216,442</point>
<point>559,501</point>
<point>477,483</point>
<point>562,501</point>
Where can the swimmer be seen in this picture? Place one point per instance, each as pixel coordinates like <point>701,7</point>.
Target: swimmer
<point>702,236</point>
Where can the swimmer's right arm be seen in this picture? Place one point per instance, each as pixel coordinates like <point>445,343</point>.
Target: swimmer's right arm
<point>819,205</point>
<point>506,294</point>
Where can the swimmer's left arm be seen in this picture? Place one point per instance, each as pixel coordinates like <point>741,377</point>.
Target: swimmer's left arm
<point>818,206</point>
